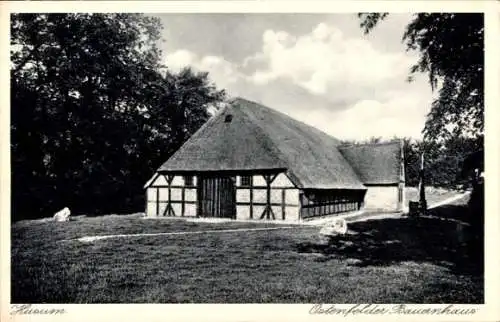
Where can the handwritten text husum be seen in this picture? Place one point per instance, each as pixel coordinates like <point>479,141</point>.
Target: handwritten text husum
<point>32,309</point>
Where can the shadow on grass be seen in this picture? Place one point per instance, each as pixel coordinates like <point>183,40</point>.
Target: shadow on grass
<point>389,241</point>
<point>455,212</point>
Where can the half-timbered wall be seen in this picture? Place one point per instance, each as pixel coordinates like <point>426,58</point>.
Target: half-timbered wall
<point>253,191</point>
<point>329,202</point>
<point>169,195</point>
<point>263,196</point>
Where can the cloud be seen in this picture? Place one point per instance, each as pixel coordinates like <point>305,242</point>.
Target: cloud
<point>180,59</point>
<point>221,72</point>
<point>341,85</point>
<point>324,59</point>
<point>402,116</point>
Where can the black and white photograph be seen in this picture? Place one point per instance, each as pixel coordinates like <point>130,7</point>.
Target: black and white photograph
<point>262,158</point>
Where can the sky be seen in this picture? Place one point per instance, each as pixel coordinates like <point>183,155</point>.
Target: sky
<point>318,68</point>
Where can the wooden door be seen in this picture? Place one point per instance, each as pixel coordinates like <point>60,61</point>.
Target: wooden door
<point>216,197</point>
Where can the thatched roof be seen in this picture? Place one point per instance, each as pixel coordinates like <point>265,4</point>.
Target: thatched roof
<point>259,138</point>
<point>218,145</point>
<point>377,163</point>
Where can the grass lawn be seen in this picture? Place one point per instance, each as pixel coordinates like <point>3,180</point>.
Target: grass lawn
<point>386,261</point>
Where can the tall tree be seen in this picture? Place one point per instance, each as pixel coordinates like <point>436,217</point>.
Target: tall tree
<point>93,110</point>
<point>451,47</point>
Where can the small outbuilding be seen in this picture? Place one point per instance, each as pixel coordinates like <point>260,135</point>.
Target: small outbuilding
<point>251,162</point>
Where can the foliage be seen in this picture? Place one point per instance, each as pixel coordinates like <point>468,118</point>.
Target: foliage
<point>451,47</point>
<point>370,20</point>
<point>93,112</point>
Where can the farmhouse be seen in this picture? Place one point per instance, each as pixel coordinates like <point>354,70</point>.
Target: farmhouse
<point>251,162</point>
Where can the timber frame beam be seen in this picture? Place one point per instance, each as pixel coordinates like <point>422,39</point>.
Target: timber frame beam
<point>169,210</point>
<point>268,210</point>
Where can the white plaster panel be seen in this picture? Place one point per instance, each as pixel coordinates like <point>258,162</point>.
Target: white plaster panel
<point>151,194</point>
<point>381,198</point>
<point>243,195</point>
<point>257,211</point>
<point>161,208</point>
<point>259,195</point>
<point>190,194</point>
<point>277,212</point>
<point>282,181</point>
<point>259,180</point>
<point>242,212</point>
<point>176,194</point>
<point>292,213</point>
<point>276,195</point>
<point>190,210</point>
<point>292,196</point>
<point>177,209</point>
<point>178,181</point>
<point>160,181</point>
<point>151,209</point>
<point>163,194</point>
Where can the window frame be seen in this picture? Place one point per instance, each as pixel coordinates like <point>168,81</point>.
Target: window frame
<point>243,178</point>
<point>188,180</point>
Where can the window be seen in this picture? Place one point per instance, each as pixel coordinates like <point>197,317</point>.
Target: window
<point>188,181</point>
<point>246,181</point>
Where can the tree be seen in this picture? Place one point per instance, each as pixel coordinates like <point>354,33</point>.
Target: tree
<point>451,47</point>
<point>93,111</point>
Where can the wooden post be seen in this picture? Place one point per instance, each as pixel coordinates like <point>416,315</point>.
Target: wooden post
<point>401,186</point>
<point>183,200</point>
<point>198,196</point>
<point>301,204</point>
<point>146,204</point>
<point>233,200</point>
<point>283,200</point>
<point>157,201</point>
<point>268,195</point>
<point>265,213</point>
<point>422,201</point>
<point>169,211</point>
<point>251,197</point>
<point>268,210</point>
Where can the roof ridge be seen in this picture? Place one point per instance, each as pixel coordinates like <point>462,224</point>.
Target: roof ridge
<point>281,114</point>
<point>395,141</point>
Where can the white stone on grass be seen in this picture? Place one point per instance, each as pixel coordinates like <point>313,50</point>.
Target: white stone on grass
<point>334,228</point>
<point>62,215</point>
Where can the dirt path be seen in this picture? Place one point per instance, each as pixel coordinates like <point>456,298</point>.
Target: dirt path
<point>449,200</point>
<point>89,239</point>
